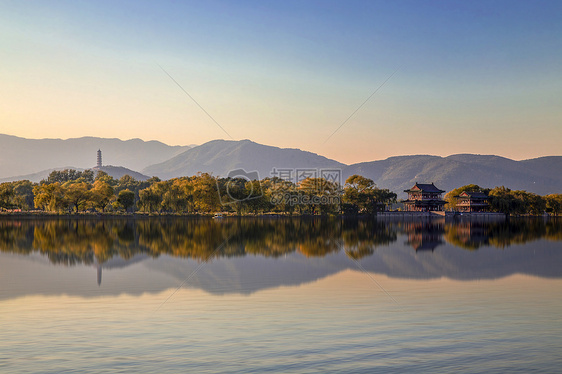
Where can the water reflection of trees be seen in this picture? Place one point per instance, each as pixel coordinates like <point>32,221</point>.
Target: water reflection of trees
<point>425,234</point>
<point>359,241</point>
<point>473,235</point>
<point>91,241</point>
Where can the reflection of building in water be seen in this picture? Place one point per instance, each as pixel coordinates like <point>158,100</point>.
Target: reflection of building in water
<point>424,198</point>
<point>424,235</point>
<point>469,235</point>
<point>472,202</point>
<point>99,274</point>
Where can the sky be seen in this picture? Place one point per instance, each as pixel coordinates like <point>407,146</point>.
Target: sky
<point>350,80</point>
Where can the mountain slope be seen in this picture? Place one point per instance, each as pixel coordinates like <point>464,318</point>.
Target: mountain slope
<point>22,157</point>
<point>118,171</point>
<point>541,175</point>
<point>19,156</point>
<point>114,171</point>
<point>37,177</point>
<point>219,157</point>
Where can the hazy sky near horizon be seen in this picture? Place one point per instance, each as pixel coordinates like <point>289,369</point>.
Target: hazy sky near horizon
<point>470,77</point>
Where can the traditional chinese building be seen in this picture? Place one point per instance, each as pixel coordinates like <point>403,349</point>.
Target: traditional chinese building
<point>99,158</point>
<point>472,202</point>
<point>424,198</point>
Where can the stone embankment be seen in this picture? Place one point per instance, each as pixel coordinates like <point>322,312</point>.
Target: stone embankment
<point>447,215</point>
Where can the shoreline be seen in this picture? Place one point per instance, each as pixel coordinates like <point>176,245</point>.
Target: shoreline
<point>379,215</point>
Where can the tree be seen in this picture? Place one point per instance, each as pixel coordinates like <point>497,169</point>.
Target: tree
<point>158,197</point>
<point>126,199</point>
<point>278,194</point>
<point>126,182</point>
<point>6,195</point>
<point>49,197</point>
<point>101,194</point>
<point>205,193</point>
<point>257,200</point>
<point>87,175</point>
<point>233,193</point>
<point>77,195</point>
<point>319,195</point>
<point>176,198</point>
<point>530,203</point>
<point>362,196</point>
<point>554,203</point>
<point>502,200</point>
<point>104,177</point>
<point>23,194</point>
<point>384,197</point>
<point>452,200</point>
<point>149,200</point>
<point>67,175</point>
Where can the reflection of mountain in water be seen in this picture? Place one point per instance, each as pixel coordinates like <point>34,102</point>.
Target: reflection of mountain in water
<point>246,255</point>
<point>118,262</point>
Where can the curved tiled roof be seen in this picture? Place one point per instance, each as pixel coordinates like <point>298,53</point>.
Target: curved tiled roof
<point>424,187</point>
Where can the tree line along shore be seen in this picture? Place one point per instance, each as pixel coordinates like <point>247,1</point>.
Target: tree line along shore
<point>70,191</point>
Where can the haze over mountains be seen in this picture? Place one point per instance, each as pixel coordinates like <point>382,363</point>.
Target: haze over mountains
<point>115,171</point>
<point>221,156</point>
<point>541,175</point>
<point>249,274</point>
<point>20,156</point>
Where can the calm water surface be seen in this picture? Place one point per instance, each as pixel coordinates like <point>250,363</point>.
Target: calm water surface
<point>280,295</point>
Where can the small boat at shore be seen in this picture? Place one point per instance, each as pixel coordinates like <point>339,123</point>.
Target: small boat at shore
<point>217,216</point>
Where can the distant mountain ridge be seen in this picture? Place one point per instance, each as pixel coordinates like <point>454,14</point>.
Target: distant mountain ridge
<point>20,156</point>
<point>114,171</point>
<point>118,171</point>
<point>541,175</point>
<point>219,157</point>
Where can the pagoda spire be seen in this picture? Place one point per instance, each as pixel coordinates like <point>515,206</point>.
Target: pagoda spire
<point>99,158</point>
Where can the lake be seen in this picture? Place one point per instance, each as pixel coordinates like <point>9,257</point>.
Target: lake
<point>300,295</point>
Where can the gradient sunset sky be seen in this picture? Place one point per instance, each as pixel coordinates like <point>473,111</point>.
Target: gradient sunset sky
<point>469,76</point>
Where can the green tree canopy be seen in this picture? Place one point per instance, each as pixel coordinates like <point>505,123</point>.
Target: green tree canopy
<point>126,199</point>
<point>452,200</point>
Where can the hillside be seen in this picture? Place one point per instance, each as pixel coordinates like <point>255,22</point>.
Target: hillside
<point>221,156</point>
<point>115,171</point>
<point>541,175</point>
<point>22,158</point>
<point>37,177</point>
<point>19,156</point>
<point>118,171</point>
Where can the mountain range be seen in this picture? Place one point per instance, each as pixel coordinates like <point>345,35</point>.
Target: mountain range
<point>540,175</point>
<point>19,156</point>
<point>35,275</point>
<point>114,171</point>
<point>219,157</point>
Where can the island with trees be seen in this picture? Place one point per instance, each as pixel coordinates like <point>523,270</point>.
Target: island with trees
<point>80,192</point>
